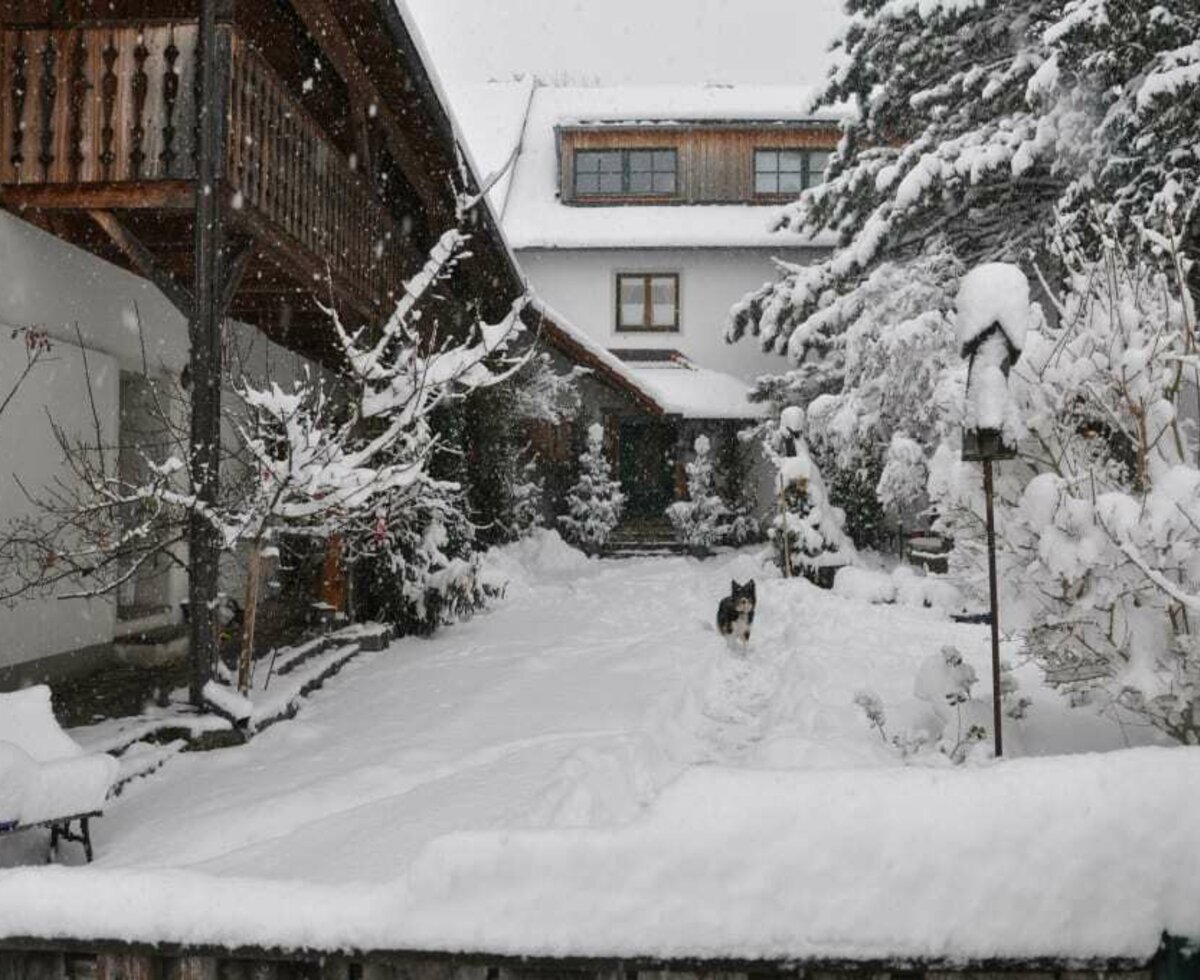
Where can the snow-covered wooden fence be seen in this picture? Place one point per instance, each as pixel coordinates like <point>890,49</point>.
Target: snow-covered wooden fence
<point>73,961</point>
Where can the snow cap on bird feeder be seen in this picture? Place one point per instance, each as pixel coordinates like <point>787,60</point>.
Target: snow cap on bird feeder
<point>993,317</point>
<point>791,420</point>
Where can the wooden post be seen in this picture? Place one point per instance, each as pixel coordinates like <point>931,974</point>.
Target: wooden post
<point>993,596</point>
<point>246,654</point>
<point>204,335</point>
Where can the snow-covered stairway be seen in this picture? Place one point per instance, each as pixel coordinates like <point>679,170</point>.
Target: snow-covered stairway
<point>640,537</point>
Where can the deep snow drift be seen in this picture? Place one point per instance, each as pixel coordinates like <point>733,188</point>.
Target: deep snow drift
<point>588,768</point>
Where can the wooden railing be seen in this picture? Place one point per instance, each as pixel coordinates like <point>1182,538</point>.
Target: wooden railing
<point>281,164</point>
<point>105,104</point>
<point>97,104</point>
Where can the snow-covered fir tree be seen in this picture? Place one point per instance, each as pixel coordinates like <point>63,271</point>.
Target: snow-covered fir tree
<point>704,519</point>
<point>595,502</point>
<point>808,532</point>
<point>529,497</point>
<point>980,131</point>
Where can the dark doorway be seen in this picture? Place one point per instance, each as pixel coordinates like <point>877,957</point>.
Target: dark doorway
<point>646,466</point>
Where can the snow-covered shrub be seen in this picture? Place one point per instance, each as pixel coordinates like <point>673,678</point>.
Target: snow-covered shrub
<point>702,520</point>
<point>736,480</point>
<point>504,478</point>
<point>595,502</point>
<point>1099,520</point>
<point>806,534</point>
<point>944,681</point>
<point>904,585</point>
<point>528,498</point>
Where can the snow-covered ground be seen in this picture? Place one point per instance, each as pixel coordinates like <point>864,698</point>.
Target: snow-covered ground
<point>589,768</point>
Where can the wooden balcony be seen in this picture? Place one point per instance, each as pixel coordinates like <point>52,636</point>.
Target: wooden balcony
<point>98,144</point>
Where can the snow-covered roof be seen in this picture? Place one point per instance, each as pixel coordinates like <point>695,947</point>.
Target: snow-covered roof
<point>492,118</point>
<point>695,392</point>
<point>581,349</point>
<point>682,103</point>
<point>534,217</point>
<point>670,385</point>
<point>545,223</point>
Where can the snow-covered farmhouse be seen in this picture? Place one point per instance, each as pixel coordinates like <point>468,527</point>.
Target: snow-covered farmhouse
<point>640,216</point>
<point>333,161</point>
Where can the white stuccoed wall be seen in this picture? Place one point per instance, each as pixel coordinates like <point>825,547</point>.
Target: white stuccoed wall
<point>581,285</point>
<point>46,283</point>
<point>53,286</point>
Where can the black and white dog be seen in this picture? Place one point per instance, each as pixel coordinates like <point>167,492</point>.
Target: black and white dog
<point>735,613</point>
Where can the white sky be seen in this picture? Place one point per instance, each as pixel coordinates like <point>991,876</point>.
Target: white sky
<point>620,41</point>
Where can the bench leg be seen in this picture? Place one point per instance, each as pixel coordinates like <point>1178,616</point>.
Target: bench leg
<point>62,831</point>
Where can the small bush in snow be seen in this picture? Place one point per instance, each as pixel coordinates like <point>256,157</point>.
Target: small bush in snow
<point>704,519</point>
<point>944,681</point>
<point>807,533</point>
<point>595,501</point>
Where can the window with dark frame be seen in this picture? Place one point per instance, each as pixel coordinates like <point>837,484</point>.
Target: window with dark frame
<point>648,301</point>
<point>618,172</point>
<point>788,171</point>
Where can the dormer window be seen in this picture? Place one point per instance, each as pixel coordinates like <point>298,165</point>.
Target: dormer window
<point>629,173</point>
<point>788,171</point>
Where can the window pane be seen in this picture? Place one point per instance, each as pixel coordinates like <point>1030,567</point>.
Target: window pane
<point>664,160</point>
<point>587,162</point>
<point>791,161</point>
<point>766,161</point>
<point>817,162</point>
<point>790,183</point>
<point>610,161</point>
<point>766,183</point>
<point>664,183</point>
<point>633,300</point>
<point>586,183</point>
<point>639,181</point>
<point>610,183</point>
<point>640,160</point>
<point>662,296</point>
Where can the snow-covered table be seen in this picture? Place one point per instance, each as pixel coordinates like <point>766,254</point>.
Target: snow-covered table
<point>46,779</point>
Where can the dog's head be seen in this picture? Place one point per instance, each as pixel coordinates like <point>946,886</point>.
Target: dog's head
<point>743,596</point>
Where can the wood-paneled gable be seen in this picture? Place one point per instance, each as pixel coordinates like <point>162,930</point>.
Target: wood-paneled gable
<point>716,161</point>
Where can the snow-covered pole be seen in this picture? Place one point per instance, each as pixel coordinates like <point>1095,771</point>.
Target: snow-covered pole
<point>992,315</point>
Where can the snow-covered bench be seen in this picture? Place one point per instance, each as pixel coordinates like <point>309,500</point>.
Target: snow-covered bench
<point>46,779</point>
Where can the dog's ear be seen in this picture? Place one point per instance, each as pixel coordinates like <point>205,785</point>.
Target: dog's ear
<point>735,586</point>
<point>750,586</point>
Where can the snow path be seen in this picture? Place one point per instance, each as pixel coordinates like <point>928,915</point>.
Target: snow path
<point>592,746</point>
<point>572,702</point>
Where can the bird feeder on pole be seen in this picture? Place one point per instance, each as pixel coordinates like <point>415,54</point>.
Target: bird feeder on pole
<point>992,315</point>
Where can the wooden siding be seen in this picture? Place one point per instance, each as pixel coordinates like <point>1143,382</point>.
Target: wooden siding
<point>716,163</point>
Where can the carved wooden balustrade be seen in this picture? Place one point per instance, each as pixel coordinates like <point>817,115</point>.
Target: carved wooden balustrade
<point>104,116</point>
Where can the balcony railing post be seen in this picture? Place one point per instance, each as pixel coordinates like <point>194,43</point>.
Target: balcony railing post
<point>205,364</point>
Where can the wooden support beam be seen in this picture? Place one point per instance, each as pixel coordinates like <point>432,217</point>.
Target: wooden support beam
<point>302,265</point>
<point>171,195</point>
<point>323,24</point>
<point>234,269</point>
<point>204,335</point>
<point>144,261</point>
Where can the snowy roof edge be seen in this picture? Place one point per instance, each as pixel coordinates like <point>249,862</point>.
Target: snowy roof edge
<point>579,347</point>
<point>400,9</point>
